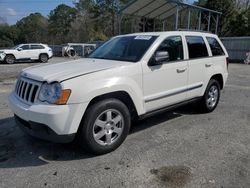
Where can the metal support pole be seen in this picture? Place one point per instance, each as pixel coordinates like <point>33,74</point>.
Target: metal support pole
<point>144,24</point>
<point>189,17</point>
<point>209,21</point>
<point>163,26</point>
<point>177,18</point>
<point>154,25</point>
<point>120,24</point>
<point>217,23</point>
<point>200,20</point>
<point>132,25</point>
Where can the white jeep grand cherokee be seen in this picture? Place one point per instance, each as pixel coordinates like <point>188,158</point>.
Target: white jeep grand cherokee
<point>130,76</point>
<point>26,52</point>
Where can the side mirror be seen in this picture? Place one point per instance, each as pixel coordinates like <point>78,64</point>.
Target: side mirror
<point>159,58</point>
<point>19,49</point>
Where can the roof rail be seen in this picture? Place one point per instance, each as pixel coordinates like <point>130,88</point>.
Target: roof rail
<point>195,30</point>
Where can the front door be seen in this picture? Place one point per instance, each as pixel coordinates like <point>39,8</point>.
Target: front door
<point>166,84</point>
<point>23,53</point>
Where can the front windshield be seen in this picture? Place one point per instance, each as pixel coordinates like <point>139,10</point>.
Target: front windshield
<point>125,48</point>
<point>15,47</point>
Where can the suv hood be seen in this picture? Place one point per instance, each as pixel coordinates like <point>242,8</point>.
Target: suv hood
<point>6,51</point>
<point>67,70</point>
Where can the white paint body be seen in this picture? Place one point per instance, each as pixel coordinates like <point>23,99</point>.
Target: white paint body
<point>24,54</point>
<point>89,78</point>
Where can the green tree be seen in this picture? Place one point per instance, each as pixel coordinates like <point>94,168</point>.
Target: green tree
<point>100,16</point>
<point>8,35</point>
<point>32,28</point>
<point>240,24</point>
<point>235,18</point>
<point>228,9</point>
<point>60,23</point>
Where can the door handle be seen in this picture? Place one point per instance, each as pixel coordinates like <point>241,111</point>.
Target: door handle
<point>208,65</point>
<point>181,70</point>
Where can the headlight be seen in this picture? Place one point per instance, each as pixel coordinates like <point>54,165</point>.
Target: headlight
<point>53,94</point>
<point>2,55</point>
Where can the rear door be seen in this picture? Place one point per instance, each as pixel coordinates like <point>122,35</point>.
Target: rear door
<point>166,84</point>
<point>200,65</point>
<point>35,51</point>
<point>219,54</point>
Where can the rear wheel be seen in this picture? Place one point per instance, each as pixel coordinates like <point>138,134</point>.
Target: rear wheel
<point>44,58</point>
<point>105,126</point>
<point>10,59</point>
<point>211,97</point>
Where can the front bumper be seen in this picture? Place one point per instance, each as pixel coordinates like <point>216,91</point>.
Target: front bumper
<point>2,56</point>
<point>42,131</point>
<point>60,120</point>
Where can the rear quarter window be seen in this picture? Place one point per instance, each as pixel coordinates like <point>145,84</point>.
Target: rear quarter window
<point>36,47</point>
<point>215,46</point>
<point>196,47</point>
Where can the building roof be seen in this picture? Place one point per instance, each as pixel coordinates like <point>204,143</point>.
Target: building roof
<point>158,9</point>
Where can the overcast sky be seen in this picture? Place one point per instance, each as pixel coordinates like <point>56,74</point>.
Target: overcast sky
<point>14,10</point>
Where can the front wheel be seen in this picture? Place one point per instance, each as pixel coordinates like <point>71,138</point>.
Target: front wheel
<point>211,97</point>
<point>105,126</point>
<point>10,59</point>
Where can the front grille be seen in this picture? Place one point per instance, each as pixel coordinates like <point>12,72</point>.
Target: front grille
<point>27,90</point>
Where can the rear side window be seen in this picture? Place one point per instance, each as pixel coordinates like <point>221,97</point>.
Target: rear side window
<point>215,46</point>
<point>36,47</point>
<point>196,47</point>
<point>173,45</point>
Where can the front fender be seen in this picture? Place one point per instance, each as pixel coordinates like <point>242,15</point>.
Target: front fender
<point>84,89</point>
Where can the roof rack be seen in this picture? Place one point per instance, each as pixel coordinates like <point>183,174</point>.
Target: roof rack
<point>194,30</point>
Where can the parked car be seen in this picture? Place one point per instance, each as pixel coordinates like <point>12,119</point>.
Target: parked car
<point>26,52</point>
<point>129,77</point>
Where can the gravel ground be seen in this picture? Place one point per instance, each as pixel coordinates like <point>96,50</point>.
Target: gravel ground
<point>176,149</point>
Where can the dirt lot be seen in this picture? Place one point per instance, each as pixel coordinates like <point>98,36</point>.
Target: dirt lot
<point>176,149</point>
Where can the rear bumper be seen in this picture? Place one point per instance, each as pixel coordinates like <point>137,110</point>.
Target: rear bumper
<point>225,77</point>
<point>42,131</point>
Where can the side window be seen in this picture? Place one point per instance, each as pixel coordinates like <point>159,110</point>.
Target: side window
<point>25,47</point>
<point>215,46</point>
<point>36,47</point>
<point>196,47</point>
<point>173,45</point>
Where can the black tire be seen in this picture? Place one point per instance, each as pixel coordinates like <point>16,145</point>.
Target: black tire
<point>89,126</point>
<point>10,59</point>
<point>43,58</point>
<point>205,105</point>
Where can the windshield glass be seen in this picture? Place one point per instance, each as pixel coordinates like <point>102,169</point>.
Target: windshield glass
<point>125,48</point>
<point>15,47</point>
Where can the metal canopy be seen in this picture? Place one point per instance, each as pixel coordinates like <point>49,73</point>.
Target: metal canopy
<point>163,9</point>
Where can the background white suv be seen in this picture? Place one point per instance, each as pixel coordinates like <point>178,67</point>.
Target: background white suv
<point>26,52</point>
<point>130,76</point>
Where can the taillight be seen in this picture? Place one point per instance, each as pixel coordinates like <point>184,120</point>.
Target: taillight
<point>227,62</point>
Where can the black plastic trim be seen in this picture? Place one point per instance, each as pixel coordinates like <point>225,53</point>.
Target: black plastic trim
<point>168,108</point>
<point>42,131</point>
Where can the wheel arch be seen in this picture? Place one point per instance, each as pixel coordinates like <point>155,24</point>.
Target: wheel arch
<point>219,78</point>
<point>44,53</point>
<point>123,96</point>
<point>10,54</point>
